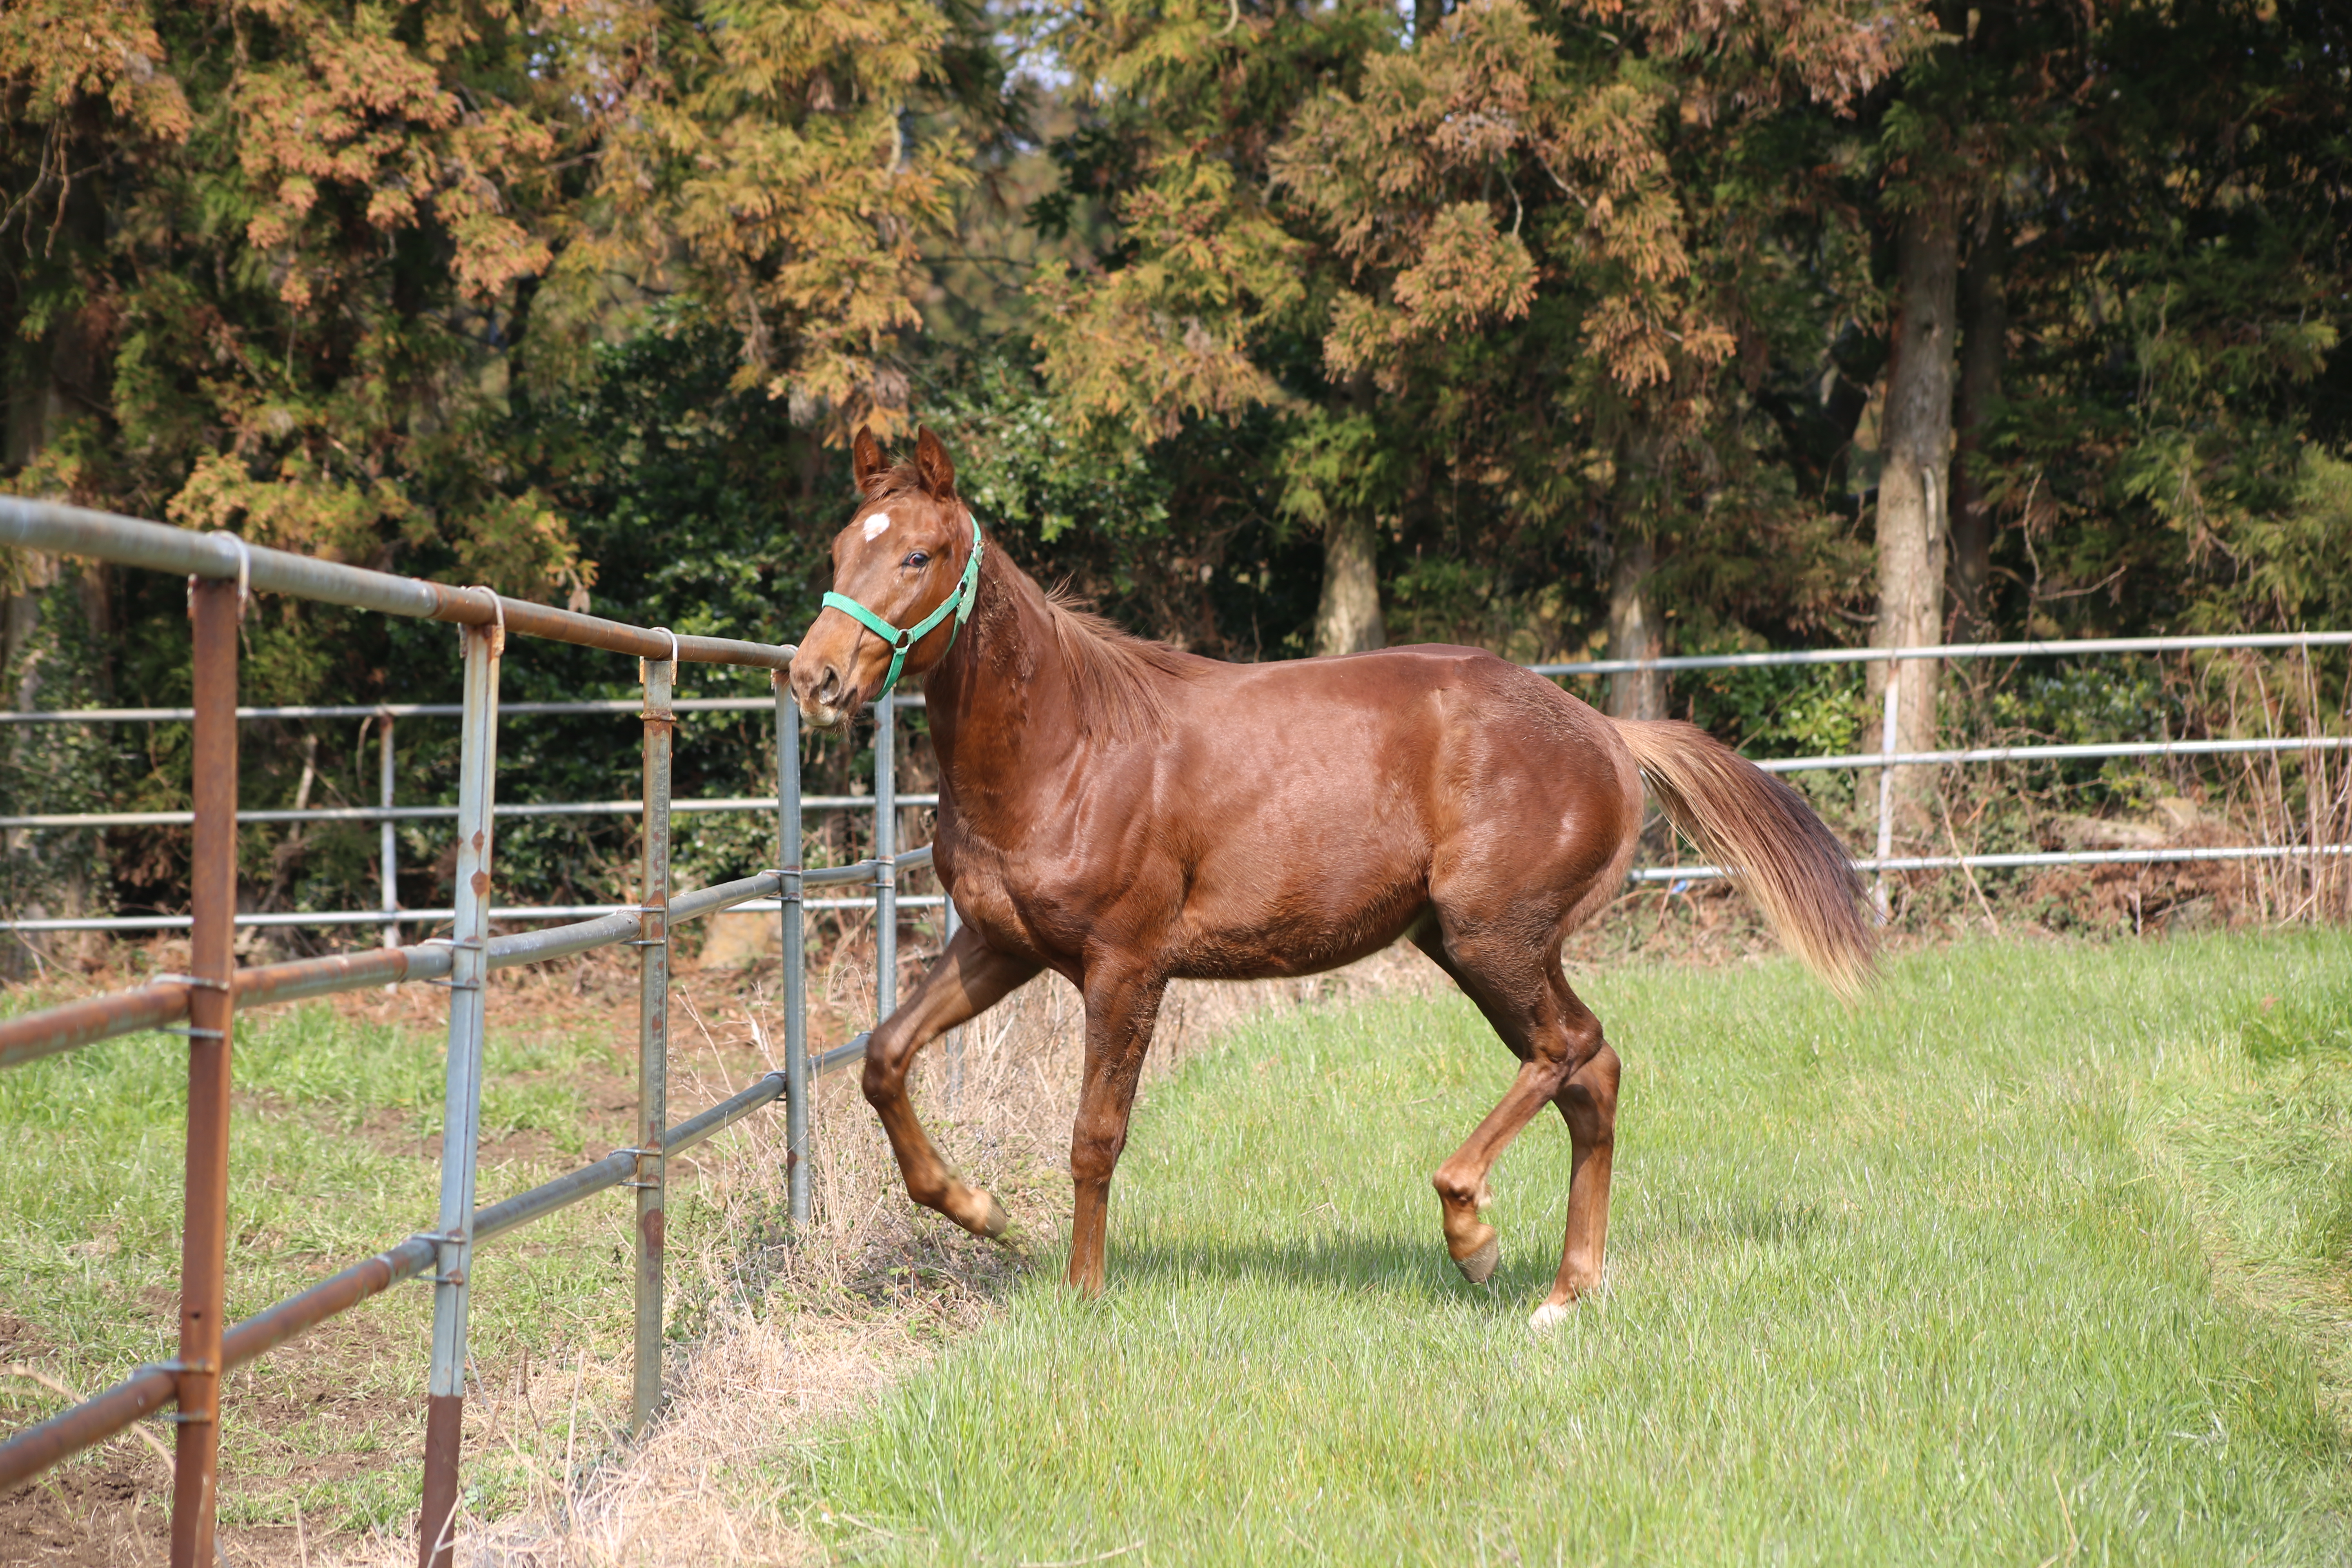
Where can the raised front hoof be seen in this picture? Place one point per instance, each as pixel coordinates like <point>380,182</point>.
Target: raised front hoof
<point>1478,1266</point>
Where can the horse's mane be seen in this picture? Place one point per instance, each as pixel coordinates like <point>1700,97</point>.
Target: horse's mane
<point>1112,670</point>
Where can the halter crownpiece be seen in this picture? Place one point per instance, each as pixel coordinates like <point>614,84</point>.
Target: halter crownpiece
<point>961,602</point>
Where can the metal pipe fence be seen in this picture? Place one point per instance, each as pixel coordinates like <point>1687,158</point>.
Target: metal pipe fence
<point>222,571</point>
<point>387,815</point>
<point>1888,758</point>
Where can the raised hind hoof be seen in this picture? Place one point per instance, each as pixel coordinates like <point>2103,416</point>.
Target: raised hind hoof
<point>1544,1319</point>
<point>1479,1266</point>
<point>995,1222</point>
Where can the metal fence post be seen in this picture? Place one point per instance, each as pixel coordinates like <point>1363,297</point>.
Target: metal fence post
<point>387,844</point>
<point>653,1036</point>
<point>461,1106</point>
<point>885,846</point>
<point>1886,783</point>
<point>794,957</point>
<point>213,606</point>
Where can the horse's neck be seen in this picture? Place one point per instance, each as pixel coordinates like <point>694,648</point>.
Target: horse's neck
<point>1002,702</point>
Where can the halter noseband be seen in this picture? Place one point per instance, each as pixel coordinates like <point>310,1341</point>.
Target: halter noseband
<point>961,602</point>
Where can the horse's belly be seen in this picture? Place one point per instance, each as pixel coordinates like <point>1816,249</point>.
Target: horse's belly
<point>1295,920</point>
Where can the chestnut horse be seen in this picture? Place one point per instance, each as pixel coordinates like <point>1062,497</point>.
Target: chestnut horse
<point>1126,813</point>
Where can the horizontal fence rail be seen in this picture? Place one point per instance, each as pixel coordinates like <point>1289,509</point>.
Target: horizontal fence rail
<point>77,1024</point>
<point>2062,648</point>
<point>222,571</point>
<point>221,557</point>
<point>1883,861</point>
<point>2026,858</point>
<point>150,1388</point>
<point>747,802</point>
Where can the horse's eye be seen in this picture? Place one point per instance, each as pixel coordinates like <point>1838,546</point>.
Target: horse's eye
<point>917,558</point>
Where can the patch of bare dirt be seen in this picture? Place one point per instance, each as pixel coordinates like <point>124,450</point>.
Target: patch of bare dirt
<point>111,1509</point>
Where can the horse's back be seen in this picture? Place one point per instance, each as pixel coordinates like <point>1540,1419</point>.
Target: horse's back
<point>1314,803</point>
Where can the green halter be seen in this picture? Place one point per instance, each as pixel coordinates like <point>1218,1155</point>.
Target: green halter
<point>961,602</point>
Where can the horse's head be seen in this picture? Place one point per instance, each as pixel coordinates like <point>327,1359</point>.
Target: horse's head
<point>904,572</point>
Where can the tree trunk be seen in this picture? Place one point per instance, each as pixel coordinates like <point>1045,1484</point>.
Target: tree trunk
<point>54,648</point>
<point>1348,620</point>
<point>1634,631</point>
<point>1984,327</point>
<point>1914,461</point>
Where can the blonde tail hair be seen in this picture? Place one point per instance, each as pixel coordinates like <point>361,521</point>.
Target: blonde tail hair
<point>1764,834</point>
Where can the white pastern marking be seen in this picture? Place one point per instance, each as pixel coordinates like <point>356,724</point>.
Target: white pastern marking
<point>1547,1316</point>
<point>876,524</point>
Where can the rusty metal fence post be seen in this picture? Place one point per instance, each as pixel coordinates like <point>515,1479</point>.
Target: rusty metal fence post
<point>794,957</point>
<point>214,606</point>
<point>653,1036</point>
<point>461,1114</point>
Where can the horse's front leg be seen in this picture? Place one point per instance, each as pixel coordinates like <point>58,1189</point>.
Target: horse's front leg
<point>969,978</point>
<point>1120,1011</point>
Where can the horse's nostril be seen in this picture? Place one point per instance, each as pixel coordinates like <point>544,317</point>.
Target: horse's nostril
<point>829,687</point>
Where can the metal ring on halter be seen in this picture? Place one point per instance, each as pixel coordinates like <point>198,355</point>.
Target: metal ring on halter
<point>498,618</point>
<point>244,571</point>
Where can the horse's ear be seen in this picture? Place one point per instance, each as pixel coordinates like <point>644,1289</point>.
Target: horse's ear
<point>866,459</point>
<point>931,462</point>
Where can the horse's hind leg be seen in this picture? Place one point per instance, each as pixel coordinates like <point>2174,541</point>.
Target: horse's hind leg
<point>969,978</point>
<point>1517,983</point>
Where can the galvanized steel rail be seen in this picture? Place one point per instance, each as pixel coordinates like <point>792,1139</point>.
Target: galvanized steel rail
<point>223,570</point>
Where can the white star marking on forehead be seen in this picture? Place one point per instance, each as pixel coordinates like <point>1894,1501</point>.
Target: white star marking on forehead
<point>876,524</point>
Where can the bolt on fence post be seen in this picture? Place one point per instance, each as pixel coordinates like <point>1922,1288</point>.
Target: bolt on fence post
<point>461,1106</point>
<point>214,606</point>
<point>387,845</point>
<point>885,846</point>
<point>1886,783</point>
<point>794,957</point>
<point>653,1036</point>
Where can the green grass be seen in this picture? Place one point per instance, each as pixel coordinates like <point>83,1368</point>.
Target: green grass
<point>325,1168</point>
<point>2034,1258</point>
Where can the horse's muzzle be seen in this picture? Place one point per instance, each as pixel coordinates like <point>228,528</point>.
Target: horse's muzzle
<point>825,695</point>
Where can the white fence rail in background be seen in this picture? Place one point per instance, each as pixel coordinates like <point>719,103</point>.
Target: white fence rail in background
<point>1888,758</point>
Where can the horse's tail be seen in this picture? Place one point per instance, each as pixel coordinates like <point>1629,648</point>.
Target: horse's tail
<point>1764,834</point>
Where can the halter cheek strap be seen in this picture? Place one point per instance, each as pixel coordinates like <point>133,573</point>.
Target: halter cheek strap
<point>959,603</point>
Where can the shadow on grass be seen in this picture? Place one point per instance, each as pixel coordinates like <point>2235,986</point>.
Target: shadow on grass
<point>1412,1269</point>
<point>1409,1270</point>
